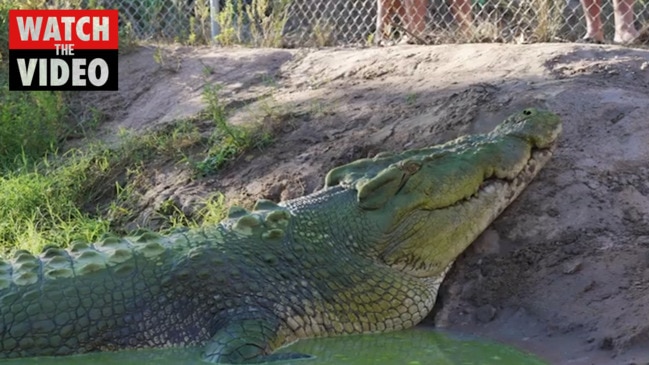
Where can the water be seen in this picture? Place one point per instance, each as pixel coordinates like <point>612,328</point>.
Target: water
<point>417,346</point>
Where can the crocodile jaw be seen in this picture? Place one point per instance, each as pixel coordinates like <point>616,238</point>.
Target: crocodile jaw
<point>455,227</point>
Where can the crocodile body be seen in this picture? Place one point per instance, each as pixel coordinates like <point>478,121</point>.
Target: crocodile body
<point>365,254</point>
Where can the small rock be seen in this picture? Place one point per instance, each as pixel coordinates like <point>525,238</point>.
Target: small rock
<point>488,243</point>
<point>606,344</point>
<point>589,286</point>
<point>571,267</point>
<point>552,212</point>
<point>642,241</point>
<point>592,184</point>
<point>486,313</point>
<point>468,289</point>
<point>274,192</point>
<point>644,66</point>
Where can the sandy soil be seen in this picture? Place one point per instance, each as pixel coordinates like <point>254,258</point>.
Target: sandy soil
<point>564,272</point>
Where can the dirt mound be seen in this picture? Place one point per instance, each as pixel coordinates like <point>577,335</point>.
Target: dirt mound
<point>563,272</point>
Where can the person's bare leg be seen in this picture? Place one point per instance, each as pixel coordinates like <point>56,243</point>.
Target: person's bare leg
<point>400,8</point>
<point>381,10</point>
<point>385,16</point>
<point>592,13</point>
<point>625,31</point>
<point>416,16</point>
<point>461,10</point>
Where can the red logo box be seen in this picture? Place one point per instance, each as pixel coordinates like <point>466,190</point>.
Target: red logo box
<point>63,49</point>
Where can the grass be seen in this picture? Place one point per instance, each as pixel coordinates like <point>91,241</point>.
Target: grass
<point>31,123</point>
<point>40,206</point>
<point>49,197</point>
<point>213,210</point>
<point>83,194</point>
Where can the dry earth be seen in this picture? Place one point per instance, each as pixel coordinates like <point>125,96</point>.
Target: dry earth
<point>564,272</point>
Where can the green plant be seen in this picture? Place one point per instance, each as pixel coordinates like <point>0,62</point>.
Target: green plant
<point>31,123</point>
<point>40,205</point>
<point>214,210</point>
<point>547,17</point>
<point>199,24</point>
<point>267,19</point>
<point>167,61</point>
<point>269,80</point>
<point>218,115</point>
<point>411,99</point>
<point>323,33</point>
<point>127,39</point>
<point>260,23</point>
<point>370,40</point>
<point>228,141</point>
<point>230,25</point>
<point>207,70</point>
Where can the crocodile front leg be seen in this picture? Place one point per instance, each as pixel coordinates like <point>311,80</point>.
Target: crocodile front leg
<point>248,339</point>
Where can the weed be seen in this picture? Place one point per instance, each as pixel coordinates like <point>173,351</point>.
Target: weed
<point>167,60</point>
<point>228,141</point>
<point>31,123</point>
<point>127,39</point>
<point>120,209</point>
<point>230,26</point>
<point>207,70</point>
<point>411,99</point>
<point>216,111</point>
<point>40,206</point>
<point>319,109</point>
<point>200,29</point>
<point>267,21</point>
<point>213,211</point>
<point>371,39</point>
<point>323,33</point>
<point>547,17</point>
<point>269,80</point>
<point>64,197</point>
<point>260,23</point>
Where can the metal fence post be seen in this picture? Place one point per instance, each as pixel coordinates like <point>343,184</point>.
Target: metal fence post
<point>214,11</point>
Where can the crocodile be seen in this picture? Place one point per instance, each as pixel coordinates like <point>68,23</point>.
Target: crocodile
<point>367,253</point>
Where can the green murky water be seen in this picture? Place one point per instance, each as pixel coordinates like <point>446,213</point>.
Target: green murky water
<point>416,346</point>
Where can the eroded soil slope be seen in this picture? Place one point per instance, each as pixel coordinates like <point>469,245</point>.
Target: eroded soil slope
<point>563,272</point>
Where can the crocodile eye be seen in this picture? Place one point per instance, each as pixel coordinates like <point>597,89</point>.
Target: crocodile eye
<point>527,112</point>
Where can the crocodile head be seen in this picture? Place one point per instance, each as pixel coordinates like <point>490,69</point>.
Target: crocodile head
<point>431,203</point>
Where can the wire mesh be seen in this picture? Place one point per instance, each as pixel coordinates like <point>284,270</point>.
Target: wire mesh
<point>296,23</point>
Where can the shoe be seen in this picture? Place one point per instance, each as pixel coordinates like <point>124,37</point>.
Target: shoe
<point>588,40</point>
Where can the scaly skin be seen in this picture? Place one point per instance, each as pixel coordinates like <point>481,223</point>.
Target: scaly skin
<point>365,254</point>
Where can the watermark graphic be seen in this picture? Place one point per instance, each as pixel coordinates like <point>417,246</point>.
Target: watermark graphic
<point>63,49</point>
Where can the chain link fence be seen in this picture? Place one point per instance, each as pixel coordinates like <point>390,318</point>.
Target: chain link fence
<point>325,22</point>
<point>295,23</point>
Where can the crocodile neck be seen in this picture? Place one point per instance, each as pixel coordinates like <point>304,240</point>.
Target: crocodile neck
<point>348,228</point>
